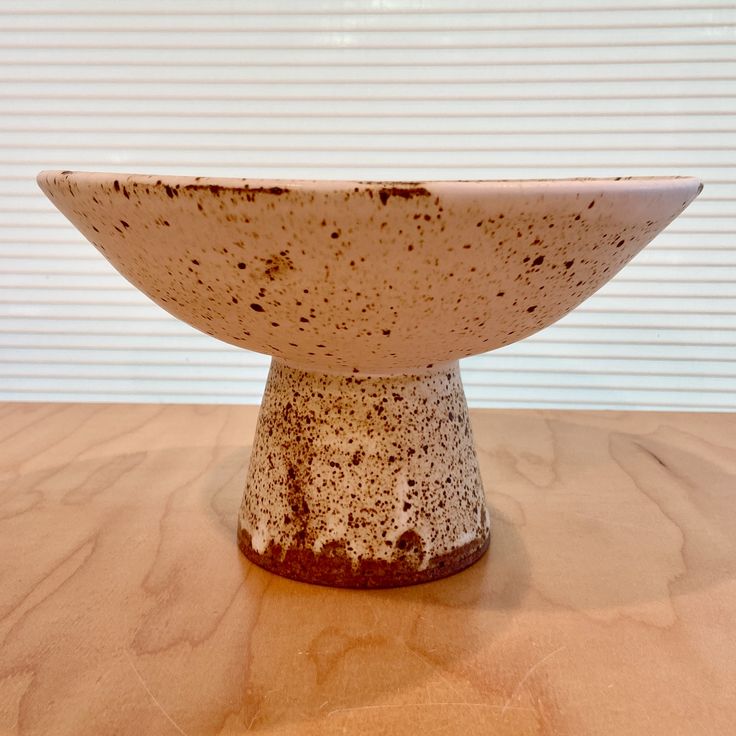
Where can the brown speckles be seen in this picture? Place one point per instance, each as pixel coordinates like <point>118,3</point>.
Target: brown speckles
<point>335,453</point>
<point>277,265</point>
<point>409,546</point>
<point>275,191</point>
<point>249,192</point>
<point>382,283</point>
<point>405,192</point>
<point>256,307</point>
<point>297,486</point>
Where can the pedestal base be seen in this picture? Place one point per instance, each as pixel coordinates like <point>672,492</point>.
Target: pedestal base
<point>363,482</point>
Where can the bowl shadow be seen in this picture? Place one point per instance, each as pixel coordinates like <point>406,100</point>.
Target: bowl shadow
<point>321,652</point>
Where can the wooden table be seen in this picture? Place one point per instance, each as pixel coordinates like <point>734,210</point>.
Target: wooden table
<point>607,603</point>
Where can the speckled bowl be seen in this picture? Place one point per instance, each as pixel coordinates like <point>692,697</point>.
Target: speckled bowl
<point>366,294</point>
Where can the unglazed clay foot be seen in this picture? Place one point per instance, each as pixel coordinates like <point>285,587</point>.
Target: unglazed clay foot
<point>366,294</point>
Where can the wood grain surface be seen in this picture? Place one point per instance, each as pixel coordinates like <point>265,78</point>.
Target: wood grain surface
<point>607,603</point>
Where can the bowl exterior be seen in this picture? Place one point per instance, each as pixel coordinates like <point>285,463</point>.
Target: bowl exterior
<point>363,276</point>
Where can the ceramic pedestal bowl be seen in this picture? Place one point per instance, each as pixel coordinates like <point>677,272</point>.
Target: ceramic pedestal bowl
<point>366,294</point>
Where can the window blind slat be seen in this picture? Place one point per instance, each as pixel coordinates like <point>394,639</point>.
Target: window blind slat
<point>414,89</point>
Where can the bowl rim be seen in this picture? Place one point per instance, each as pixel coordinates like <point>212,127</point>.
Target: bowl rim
<point>247,183</point>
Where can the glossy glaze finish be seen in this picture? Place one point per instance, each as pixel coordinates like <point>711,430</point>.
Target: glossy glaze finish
<point>358,481</point>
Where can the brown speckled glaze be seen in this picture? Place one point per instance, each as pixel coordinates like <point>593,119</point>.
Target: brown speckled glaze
<point>380,285</point>
<point>363,481</point>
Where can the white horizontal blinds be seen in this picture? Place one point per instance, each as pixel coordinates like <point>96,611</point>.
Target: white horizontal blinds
<point>413,89</point>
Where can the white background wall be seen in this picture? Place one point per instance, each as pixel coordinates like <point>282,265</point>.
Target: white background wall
<point>412,89</point>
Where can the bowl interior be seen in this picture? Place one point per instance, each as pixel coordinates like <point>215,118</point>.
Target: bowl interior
<point>374,277</point>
